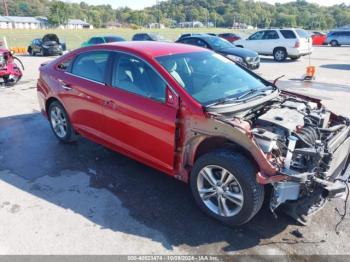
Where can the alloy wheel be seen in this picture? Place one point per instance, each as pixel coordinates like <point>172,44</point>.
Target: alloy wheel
<point>58,121</point>
<point>220,191</point>
<point>280,55</point>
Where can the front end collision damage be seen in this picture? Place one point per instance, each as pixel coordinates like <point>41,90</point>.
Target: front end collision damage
<point>313,156</point>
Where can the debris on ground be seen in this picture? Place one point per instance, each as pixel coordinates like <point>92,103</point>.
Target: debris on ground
<point>297,233</point>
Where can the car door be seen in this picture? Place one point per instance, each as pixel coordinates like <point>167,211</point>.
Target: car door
<point>269,41</point>
<point>81,91</point>
<point>139,121</point>
<point>255,41</point>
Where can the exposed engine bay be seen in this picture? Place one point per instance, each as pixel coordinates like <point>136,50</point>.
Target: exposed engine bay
<point>306,142</point>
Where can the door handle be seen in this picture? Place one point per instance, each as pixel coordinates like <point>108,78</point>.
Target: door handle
<point>66,87</point>
<point>110,104</point>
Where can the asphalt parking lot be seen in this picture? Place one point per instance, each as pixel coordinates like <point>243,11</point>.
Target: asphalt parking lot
<point>85,199</point>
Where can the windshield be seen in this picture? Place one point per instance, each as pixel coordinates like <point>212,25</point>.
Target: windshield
<point>209,77</point>
<point>218,43</point>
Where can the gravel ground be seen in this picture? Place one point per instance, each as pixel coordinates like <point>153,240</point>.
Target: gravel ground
<point>85,199</point>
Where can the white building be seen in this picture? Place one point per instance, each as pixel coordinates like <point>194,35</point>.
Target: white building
<point>24,22</point>
<point>155,26</point>
<point>193,24</point>
<point>5,23</point>
<point>77,24</point>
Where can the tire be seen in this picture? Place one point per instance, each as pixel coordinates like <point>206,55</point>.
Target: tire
<point>60,123</point>
<point>31,51</point>
<point>42,52</point>
<point>248,194</point>
<point>295,58</point>
<point>280,54</point>
<point>334,43</point>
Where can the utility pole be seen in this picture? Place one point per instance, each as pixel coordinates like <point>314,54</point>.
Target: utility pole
<point>158,11</point>
<point>6,10</point>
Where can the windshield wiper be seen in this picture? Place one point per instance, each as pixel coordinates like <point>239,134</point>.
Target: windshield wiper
<point>253,91</point>
<point>249,93</point>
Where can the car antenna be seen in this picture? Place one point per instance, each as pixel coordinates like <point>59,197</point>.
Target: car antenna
<point>278,78</point>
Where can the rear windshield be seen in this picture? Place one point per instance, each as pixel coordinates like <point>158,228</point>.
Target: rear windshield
<point>110,39</point>
<point>288,34</point>
<point>302,33</point>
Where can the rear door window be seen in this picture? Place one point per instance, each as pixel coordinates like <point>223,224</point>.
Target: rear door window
<point>288,34</point>
<point>91,65</point>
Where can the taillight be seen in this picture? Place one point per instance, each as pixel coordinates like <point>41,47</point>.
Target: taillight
<point>297,44</point>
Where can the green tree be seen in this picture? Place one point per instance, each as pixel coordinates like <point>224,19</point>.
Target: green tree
<point>58,14</point>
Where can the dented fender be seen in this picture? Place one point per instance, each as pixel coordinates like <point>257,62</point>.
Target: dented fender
<point>235,131</point>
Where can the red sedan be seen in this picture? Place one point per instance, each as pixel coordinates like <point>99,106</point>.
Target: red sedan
<point>199,117</point>
<point>318,38</point>
<point>231,37</point>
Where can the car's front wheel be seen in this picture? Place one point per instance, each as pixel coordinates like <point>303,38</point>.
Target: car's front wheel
<point>224,186</point>
<point>60,123</point>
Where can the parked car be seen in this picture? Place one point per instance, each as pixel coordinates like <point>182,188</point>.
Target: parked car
<point>148,37</point>
<point>279,43</point>
<point>231,37</point>
<point>50,44</point>
<point>248,58</point>
<point>338,38</point>
<point>318,38</point>
<point>197,116</point>
<point>97,40</point>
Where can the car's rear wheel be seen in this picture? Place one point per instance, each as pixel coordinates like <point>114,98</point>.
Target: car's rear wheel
<point>334,43</point>
<point>60,123</point>
<point>280,54</point>
<point>224,186</point>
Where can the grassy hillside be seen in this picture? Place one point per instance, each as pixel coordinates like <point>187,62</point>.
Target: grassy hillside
<point>74,38</point>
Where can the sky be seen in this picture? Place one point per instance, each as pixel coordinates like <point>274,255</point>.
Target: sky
<point>139,4</point>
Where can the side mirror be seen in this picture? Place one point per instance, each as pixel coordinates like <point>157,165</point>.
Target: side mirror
<point>171,98</point>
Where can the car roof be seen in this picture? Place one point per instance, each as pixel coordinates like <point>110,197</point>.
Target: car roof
<point>151,48</point>
<point>200,36</point>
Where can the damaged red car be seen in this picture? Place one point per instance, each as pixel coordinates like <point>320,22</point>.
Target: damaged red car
<point>203,119</point>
